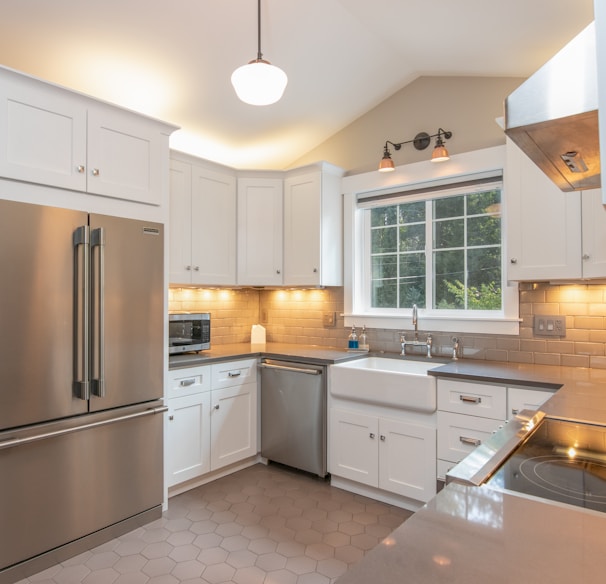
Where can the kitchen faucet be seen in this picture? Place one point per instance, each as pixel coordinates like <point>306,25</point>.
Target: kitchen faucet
<point>428,343</point>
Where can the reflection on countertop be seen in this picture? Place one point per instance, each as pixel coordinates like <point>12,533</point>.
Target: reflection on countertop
<point>476,534</point>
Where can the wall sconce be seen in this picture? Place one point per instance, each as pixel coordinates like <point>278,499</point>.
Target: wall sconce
<point>420,142</point>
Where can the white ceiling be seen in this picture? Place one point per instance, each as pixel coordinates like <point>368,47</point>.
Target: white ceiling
<point>172,59</point>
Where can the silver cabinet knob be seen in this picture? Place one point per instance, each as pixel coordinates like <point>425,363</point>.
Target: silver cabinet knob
<point>277,271</point>
<point>382,438</point>
<point>188,268</point>
<point>315,270</point>
<point>216,407</point>
<point>513,260</point>
<point>586,256</point>
<point>372,436</point>
<point>171,418</point>
<point>196,268</point>
<point>96,172</point>
<point>80,168</point>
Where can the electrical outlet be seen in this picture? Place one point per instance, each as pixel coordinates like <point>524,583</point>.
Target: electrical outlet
<point>329,319</point>
<point>549,326</point>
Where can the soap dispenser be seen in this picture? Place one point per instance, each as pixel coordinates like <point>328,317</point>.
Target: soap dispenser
<point>352,342</point>
<point>363,340</point>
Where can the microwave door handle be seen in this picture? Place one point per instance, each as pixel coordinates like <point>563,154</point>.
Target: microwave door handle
<point>98,312</point>
<point>81,242</point>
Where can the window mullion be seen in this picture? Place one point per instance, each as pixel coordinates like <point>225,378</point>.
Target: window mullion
<point>429,245</point>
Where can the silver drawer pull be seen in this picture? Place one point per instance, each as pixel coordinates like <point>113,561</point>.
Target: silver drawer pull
<point>187,382</point>
<point>470,399</point>
<point>234,374</point>
<point>515,411</point>
<point>470,441</point>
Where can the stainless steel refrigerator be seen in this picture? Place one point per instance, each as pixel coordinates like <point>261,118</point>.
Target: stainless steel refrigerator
<point>81,369</point>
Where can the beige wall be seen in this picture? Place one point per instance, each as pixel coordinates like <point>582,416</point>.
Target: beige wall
<point>467,106</point>
<point>296,316</point>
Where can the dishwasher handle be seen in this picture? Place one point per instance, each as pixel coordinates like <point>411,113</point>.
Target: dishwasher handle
<point>293,369</point>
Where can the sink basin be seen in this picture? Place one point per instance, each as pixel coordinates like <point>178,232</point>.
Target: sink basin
<point>392,382</point>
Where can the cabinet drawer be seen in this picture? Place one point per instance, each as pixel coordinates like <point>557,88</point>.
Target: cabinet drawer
<point>476,399</point>
<point>188,381</point>
<point>525,399</point>
<point>458,435</point>
<point>234,373</point>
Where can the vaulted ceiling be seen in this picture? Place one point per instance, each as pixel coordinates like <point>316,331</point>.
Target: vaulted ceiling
<point>173,59</point>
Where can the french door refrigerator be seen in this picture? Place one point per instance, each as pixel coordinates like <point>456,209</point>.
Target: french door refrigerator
<point>81,369</point>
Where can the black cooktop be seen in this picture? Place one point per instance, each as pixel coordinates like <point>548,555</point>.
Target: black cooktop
<point>562,461</point>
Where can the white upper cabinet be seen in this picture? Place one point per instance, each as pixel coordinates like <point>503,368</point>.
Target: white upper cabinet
<point>260,228</point>
<point>594,234</point>
<point>202,245</point>
<point>52,136</point>
<point>543,223</point>
<point>313,228</point>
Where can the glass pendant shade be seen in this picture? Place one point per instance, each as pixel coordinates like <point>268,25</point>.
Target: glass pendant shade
<point>386,164</point>
<point>440,154</point>
<point>259,82</point>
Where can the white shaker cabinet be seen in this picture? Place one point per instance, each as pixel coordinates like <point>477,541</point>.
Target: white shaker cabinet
<point>551,235</point>
<point>394,455</point>
<point>543,223</point>
<point>50,135</point>
<point>188,424</point>
<point>260,229</point>
<point>234,412</point>
<point>202,244</point>
<point>313,227</point>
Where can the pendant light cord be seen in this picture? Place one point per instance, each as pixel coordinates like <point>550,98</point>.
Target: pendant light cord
<point>259,54</point>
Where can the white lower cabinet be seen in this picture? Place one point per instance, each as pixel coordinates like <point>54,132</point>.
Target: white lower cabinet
<point>394,455</point>
<point>212,418</point>
<point>188,438</point>
<point>470,412</point>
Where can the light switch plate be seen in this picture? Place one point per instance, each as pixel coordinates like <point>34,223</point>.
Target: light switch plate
<point>329,319</point>
<point>549,326</point>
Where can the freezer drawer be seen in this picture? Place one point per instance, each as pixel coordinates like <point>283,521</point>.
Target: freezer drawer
<point>61,482</point>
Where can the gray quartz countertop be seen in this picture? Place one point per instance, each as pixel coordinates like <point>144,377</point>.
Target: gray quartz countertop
<point>475,534</point>
<point>304,353</point>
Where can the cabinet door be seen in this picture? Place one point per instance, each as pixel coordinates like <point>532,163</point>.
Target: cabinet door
<point>594,234</point>
<point>179,243</point>
<point>354,446</point>
<point>543,223</point>
<point>233,424</point>
<point>407,459</point>
<point>213,227</point>
<point>126,154</point>
<point>42,134</point>
<point>260,227</point>
<point>187,438</point>
<point>519,399</point>
<point>302,222</point>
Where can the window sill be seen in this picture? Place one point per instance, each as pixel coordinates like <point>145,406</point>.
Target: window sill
<point>445,324</point>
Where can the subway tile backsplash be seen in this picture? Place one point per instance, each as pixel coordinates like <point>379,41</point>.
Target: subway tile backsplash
<point>298,316</point>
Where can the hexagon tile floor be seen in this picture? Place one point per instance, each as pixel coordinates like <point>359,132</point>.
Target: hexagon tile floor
<point>261,525</point>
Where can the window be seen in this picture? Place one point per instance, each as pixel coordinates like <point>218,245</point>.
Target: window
<point>426,237</point>
<point>440,253</point>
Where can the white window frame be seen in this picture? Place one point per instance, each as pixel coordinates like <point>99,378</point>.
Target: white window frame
<point>470,165</point>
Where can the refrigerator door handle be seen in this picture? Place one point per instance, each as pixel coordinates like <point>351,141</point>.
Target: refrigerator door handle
<point>81,241</point>
<point>98,312</point>
<point>11,442</point>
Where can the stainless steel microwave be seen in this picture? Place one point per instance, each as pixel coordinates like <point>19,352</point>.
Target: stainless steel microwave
<point>188,332</point>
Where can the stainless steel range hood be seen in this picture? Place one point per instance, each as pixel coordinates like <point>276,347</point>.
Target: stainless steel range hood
<point>553,115</point>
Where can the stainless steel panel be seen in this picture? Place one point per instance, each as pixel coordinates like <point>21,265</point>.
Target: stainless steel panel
<point>73,483</point>
<point>293,415</point>
<point>133,323</point>
<point>36,313</point>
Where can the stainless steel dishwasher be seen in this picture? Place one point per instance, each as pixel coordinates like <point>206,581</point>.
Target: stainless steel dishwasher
<point>293,414</point>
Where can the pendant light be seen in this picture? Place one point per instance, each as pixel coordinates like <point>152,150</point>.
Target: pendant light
<point>259,82</point>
